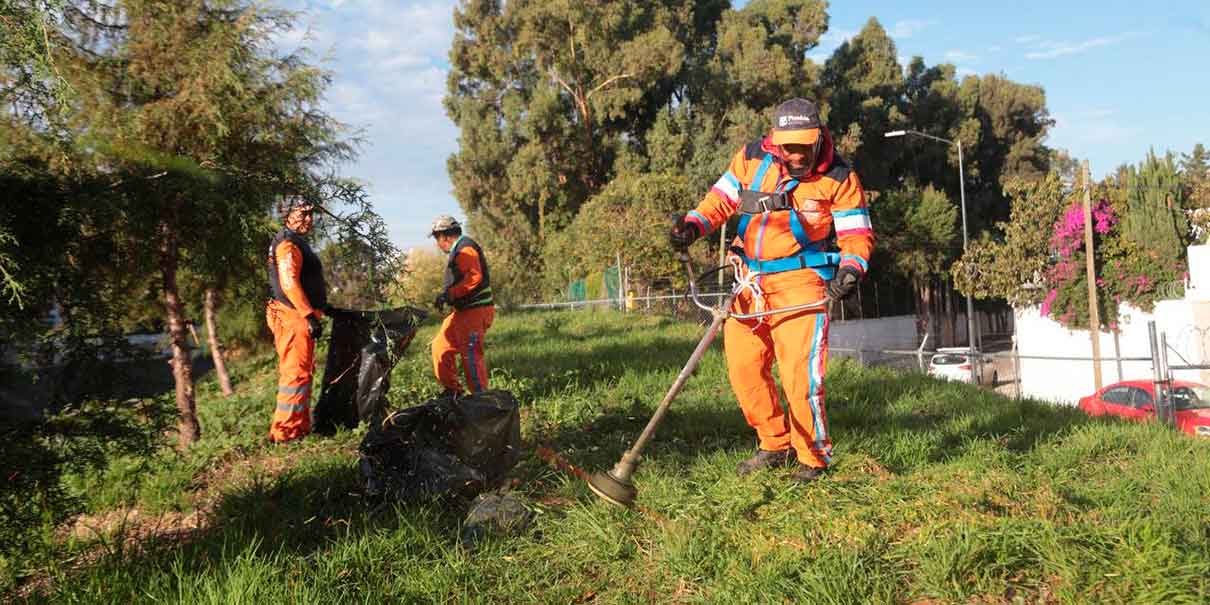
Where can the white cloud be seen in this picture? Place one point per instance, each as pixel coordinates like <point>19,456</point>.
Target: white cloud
<point>1052,50</point>
<point>910,27</point>
<point>959,56</point>
<point>1027,39</point>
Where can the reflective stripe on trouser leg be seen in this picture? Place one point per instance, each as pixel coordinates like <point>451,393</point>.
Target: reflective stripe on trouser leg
<point>802,353</point>
<point>749,367</point>
<point>476,369</point>
<point>295,367</point>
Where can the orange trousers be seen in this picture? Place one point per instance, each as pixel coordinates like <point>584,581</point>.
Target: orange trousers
<point>461,337</point>
<point>799,344</point>
<point>295,367</point>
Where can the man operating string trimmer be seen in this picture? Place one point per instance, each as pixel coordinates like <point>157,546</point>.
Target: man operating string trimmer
<point>791,189</point>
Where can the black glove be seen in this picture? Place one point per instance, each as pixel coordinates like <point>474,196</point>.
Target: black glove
<point>844,284</point>
<point>441,300</point>
<point>683,233</point>
<point>317,327</point>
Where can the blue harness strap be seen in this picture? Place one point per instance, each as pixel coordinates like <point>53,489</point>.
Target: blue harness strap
<point>823,263</point>
<point>742,227</point>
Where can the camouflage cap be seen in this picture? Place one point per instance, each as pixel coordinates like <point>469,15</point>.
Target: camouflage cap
<point>289,203</point>
<point>444,222</point>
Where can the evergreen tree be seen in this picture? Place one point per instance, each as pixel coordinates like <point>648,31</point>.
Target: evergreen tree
<point>1155,219</point>
<point>866,87</point>
<point>1195,165</point>
<point>204,127</point>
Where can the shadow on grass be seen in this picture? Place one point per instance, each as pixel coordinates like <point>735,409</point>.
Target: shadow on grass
<point>928,421</point>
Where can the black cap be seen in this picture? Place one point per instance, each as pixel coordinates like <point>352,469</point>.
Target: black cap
<point>796,121</point>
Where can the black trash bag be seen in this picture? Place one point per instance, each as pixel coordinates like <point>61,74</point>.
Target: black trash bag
<point>364,347</point>
<point>495,514</point>
<point>455,447</point>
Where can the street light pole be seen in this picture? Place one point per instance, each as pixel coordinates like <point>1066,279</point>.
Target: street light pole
<point>970,305</point>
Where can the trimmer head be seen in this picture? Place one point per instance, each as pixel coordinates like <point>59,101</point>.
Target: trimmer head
<point>618,492</point>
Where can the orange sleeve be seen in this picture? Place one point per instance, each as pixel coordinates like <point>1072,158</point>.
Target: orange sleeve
<point>289,267</point>
<point>723,198</point>
<point>851,218</point>
<point>467,262</point>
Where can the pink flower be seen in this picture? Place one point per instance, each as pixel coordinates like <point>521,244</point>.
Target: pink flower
<point>1050,298</point>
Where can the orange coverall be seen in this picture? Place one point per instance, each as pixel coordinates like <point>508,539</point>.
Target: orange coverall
<point>829,197</point>
<point>462,333</point>
<point>295,348</point>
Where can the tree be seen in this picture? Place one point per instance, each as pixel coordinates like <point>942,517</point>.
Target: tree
<point>627,220</point>
<point>188,106</point>
<point>866,86</point>
<point>422,278</point>
<point>1154,219</point>
<point>917,231</point>
<point>28,75</point>
<point>1195,178</point>
<point>544,94</point>
<point>1010,264</point>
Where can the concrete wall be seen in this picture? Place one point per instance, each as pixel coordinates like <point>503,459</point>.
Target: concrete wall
<point>1186,322</point>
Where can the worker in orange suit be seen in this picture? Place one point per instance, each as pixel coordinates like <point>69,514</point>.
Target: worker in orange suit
<point>793,193</point>
<point>468,290</point>
<point>298,296</point>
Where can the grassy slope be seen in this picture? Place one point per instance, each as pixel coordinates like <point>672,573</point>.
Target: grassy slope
<point>942,493</point>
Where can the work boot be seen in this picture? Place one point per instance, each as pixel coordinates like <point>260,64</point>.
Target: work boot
<point>764,459</point>
<point>807,474</point>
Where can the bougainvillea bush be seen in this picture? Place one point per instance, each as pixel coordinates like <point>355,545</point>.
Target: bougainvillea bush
<point>1126,271</point>
<point>1038,257</point>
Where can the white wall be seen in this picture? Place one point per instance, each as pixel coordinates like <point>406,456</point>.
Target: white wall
<point>1184,322</point>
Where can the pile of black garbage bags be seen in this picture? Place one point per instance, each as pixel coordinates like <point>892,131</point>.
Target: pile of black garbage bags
<point>446,447</point>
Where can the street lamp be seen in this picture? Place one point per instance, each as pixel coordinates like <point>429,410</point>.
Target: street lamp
<point>970,306</point>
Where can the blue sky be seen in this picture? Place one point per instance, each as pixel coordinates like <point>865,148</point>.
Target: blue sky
<point>1120,78</point>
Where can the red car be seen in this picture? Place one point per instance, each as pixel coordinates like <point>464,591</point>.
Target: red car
<point>1135,400</point>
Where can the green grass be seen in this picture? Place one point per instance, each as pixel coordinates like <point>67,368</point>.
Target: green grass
<point>941,493</point>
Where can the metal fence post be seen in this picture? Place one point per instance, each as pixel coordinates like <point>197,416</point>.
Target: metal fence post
<point>1169,411</point>
<point>1157,372</point>
<point>1016,366</point>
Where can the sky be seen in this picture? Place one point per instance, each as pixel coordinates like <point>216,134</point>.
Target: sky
<point>1120,78</point>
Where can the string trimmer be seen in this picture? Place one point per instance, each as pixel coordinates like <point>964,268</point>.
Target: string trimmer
<point>614,486</point>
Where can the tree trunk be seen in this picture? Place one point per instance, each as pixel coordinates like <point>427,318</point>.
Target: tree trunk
<point>922,309</point>
<point>188,428</point>
<point>216,348</point>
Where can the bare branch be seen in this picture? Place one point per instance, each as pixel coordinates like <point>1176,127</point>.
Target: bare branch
<point>607,83</point>
<point>555,74</point>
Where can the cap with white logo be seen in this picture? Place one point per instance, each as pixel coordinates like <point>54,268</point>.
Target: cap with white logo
<point>796,122</point>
